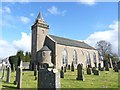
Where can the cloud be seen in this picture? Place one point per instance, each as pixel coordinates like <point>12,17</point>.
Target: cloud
<point>54,10</point>
<point>110,35</point>
<point>7,49</point>
<point>5,10</point>
<point>87,2</point>
<point>31,14</point>
<point>25,20</point>
<point>24,43</point>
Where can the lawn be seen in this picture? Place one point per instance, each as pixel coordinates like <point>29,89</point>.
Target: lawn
<point>106,79</point>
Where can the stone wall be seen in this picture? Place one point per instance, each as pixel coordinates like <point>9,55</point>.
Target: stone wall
<point>81,55</point>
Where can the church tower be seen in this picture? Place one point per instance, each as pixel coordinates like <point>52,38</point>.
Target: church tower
<point>39,32</point>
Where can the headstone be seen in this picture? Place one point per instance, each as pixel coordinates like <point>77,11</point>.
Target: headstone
<point>3,73</point>
<point>116,69</point>
<point>80,75</point>
<point>19,84</point>
<point>68,67</point>
<point>62,68</point>
<point>93,69</point>
<point>48,78</point>
<point>106,66</point>
<point>16,77</point>
<point>95,64</point>
<point>61,73</point>
<point>8,74</point>
<point>110,63</point>
<point>99,66</point>
<point>96,72</point>
<point>35,71</point>
<point>102,69</point>
<point>65,69</point>
<point>72,67</point>
<point>118,63</point>
<point>88,70</point>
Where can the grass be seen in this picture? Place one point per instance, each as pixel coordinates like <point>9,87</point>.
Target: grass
<point>106,79</point>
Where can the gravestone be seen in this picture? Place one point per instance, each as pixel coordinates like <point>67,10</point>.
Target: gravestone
<point>106,66</point>
<point>19,84</point>
<point>48,78</point>
<point>110,63</point>
<point>3,73</point>
<point>118,63</point>
<point>80,75</point>
<point>99,66</point>
<point>102,69</point>
<point>8,74</point>
<point>68,67</point>
<point>88,70</point>
<point>116,69</point>
<point>93,69</point>
<point>61,73</point>
<point>35,70</point>
<point>96,72</point>
<point>64,68</point>
<point>72,67</point>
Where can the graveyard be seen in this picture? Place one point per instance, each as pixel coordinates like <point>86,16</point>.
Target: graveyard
<point>106,79</point>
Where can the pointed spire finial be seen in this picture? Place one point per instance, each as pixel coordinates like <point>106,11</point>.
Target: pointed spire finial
<point>39,17</point>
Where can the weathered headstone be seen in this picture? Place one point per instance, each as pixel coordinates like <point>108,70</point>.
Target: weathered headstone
<point>19,84</point>
<point>88,70</point>
<point>64,68</point>
<point>3,73</point>
<point>93,69</point>
<point>61,73</point>
<point>99,66</point>
<point>106,66</point>
<point>80,75</point>
<point>72,67</point>
<point>116,69</point>
<point>118,63</point>
<point>48,78</point>
<point>8,74</point>
<point>96,72</point>
<point>68,67</point>
<point>110,63</point>
<point>35,70</point>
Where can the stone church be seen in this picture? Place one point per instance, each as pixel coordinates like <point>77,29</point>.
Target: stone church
<point>63,50</point>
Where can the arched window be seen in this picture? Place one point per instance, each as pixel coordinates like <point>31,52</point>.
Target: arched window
<point>65,57</point>
<point>94,57</point>
<point>74,57</point>
<point>88,58</point>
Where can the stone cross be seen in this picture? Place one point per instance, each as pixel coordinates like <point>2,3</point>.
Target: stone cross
<point>80,75</point>
<point>72,67</point>
<point>8,74</point>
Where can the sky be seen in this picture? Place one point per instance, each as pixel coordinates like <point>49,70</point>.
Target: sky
<point>86,21</point>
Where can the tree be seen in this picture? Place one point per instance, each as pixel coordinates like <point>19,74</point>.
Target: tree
<point>27,57</point>
<point>20,53</point>
<point>104,50</point>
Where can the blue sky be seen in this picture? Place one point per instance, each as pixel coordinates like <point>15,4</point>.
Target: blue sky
<point>79,21</point>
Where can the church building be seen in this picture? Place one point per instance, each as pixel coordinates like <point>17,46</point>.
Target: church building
<point>63,50</point>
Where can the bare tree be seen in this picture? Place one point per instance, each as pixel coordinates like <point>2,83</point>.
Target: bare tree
<point>103,48</point>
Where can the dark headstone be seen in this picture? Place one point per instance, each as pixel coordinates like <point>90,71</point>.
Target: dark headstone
<point>72,67</point>
<point>88,71</point>
<point>68,67</point>
<point>96,72</point>
<point>106,66</point>
<point>62,68</point>
<point>102,69</point>
<point>65,69</point>
<point>99,66</point>
<point>80,75</point>
<point>19,61</point>
<point>95,64</point>
<point>118,63</point>
<point>116,69</point>
<point>61,74</point>
<point>93,69</point>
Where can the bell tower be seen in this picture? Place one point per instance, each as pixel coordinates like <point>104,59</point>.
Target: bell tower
<point>39,32</point>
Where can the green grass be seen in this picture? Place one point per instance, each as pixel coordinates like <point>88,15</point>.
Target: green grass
<point>107,79</point>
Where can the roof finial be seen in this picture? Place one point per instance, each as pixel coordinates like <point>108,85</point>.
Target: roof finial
<point>39,17</point>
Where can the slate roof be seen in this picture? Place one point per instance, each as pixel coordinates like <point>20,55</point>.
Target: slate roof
<point>70,42</point>
<point>45,48</point>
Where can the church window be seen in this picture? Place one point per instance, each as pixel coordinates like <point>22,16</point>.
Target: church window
<point>64,57</point>
<point>43,54</point>
<point>88,58</point>
<point>74,57</point>
<point>94,57</point>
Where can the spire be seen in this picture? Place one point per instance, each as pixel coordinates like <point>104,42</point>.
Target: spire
<point>39,17</point>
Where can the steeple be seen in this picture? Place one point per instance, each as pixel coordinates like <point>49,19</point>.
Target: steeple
<point>39,17</point>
